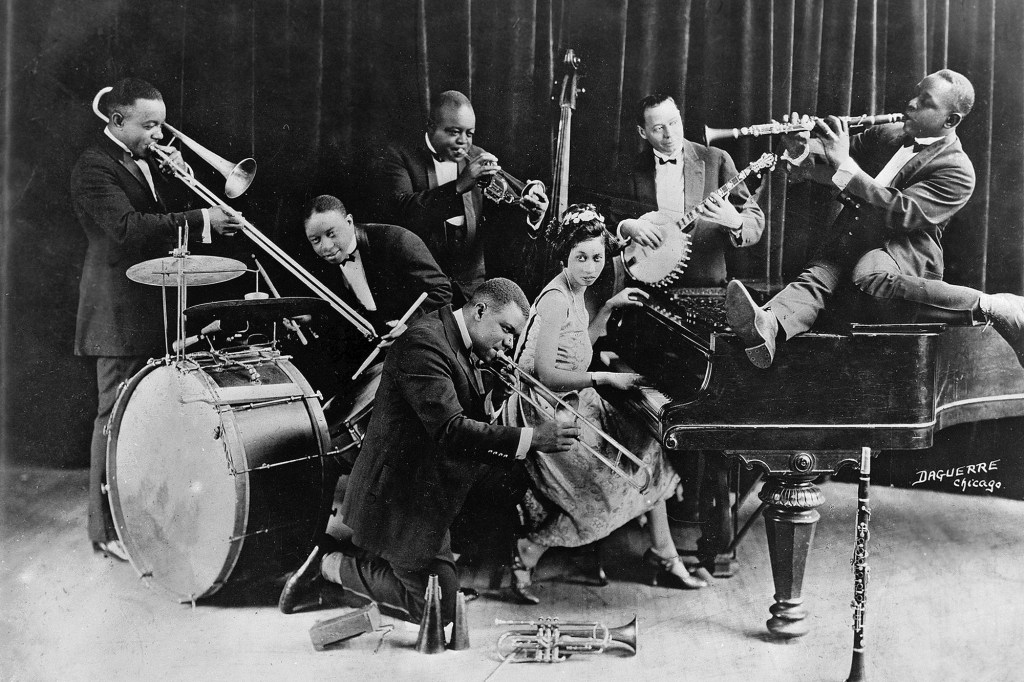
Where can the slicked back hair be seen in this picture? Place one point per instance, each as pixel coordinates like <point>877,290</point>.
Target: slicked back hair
<point>499,292</point>
<point>323,204</point>
<point>126,91</point>
<point>650,102</point>
<point>449,98</point>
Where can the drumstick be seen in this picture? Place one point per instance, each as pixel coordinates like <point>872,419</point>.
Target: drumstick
<point>380,346</point>
<point>290,324</point>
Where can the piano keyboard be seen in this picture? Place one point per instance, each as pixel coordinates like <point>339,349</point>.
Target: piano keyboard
<point>646,402</point>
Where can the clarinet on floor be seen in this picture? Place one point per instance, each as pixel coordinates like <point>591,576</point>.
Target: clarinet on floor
<point>860,568</point>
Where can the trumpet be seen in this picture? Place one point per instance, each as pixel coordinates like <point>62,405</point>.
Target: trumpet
<point>506,188</point>
<point>640,479</point>
<point>714,134</point>
<point>546,640</point>
<point>238,177</point>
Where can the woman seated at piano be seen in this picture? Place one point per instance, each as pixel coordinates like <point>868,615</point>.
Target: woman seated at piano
<point>578,498</point>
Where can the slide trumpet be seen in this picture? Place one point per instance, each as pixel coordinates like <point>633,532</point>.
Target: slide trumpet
<point>502,367</point>
<point>712,135</point>
<point>546,640</point>
<point>238,177</point>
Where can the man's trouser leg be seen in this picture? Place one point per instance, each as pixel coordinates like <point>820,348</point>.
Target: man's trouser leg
<point>398,588</point>
<point>896,297</point>
<point>798,305</point>
<point>110,373</point>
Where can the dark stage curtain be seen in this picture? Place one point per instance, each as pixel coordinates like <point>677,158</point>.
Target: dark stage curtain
<point>314,89</point>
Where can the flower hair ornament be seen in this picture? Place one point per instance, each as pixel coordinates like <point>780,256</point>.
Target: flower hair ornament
<point>581,213</point>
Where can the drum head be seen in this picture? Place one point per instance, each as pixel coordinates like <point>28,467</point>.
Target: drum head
<point>173,501</point>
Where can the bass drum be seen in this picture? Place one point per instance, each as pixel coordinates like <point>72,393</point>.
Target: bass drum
<point>215,468</point>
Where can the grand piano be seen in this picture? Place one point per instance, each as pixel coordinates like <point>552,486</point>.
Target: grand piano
<point>827,396</point>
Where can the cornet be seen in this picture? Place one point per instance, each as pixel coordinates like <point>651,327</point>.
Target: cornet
<point>506,188</point>
<point>546,640</point>
<point>640,479</point>
<point>714,134</point>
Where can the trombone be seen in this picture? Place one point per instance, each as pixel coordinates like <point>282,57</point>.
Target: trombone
<point>238,177</point>
<point>547,640</point>
<point>640,479</point>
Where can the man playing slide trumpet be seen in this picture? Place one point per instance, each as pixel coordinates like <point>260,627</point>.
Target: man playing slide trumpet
<point>130,213</point>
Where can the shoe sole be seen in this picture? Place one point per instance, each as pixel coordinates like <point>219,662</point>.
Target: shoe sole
<point>741,314</point>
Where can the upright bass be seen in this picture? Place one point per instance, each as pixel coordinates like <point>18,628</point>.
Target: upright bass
<point>538,262</point>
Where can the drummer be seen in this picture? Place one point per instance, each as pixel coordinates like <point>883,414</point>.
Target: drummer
<point>380,270</point>
<point>131,212</point>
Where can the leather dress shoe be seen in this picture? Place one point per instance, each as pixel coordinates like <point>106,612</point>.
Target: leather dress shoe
<point>111,548</point>
<point>757,328</point>
<point>301,580</point>
<point>1006,313</point>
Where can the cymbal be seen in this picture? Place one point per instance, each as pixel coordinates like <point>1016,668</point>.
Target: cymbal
<point>198,270</point>
<point>255,310</point>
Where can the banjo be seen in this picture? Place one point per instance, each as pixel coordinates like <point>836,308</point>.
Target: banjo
<point>660,266</point>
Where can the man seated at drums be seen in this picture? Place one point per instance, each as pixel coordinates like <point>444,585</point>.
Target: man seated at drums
<point>430,440</point>
<point>380,270</point>
<point>131,212</point>
<point>671,176</point>
<point>434,187</point>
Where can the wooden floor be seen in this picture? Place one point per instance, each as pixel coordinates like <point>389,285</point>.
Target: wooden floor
<point>945,602</point>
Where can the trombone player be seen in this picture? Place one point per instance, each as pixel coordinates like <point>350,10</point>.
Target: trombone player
<point>131,212</point>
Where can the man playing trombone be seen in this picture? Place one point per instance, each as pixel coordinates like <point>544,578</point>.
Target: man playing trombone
<point>130,213</point>
<point>430,441</point>
<point>435,188</point>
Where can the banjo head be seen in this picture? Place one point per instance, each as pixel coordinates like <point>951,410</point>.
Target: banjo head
<point>659,266</point>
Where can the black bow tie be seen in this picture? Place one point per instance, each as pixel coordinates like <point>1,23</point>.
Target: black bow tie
<point>662,162</point>
<point>918,146</point>
<point>350,258</point>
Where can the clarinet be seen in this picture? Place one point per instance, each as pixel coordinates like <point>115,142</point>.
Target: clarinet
<point>860,568</point>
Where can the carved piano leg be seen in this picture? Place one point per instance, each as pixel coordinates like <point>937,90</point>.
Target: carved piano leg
<point>790,520</point>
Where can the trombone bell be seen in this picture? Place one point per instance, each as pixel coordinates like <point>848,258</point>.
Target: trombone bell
<point>238,175</point>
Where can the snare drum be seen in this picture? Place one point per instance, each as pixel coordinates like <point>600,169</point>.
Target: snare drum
<point>349,415</point>
<point>215,467</point>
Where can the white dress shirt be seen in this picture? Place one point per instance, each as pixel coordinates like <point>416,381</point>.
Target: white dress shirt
<point>526,435</point>
<point>844,173</point>
<point>668,181</point>
<point>447,171</point>
<point>355,278</point>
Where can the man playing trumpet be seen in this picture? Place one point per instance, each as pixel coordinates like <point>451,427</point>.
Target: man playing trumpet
<point>435,189</point>
<point>130,213</point>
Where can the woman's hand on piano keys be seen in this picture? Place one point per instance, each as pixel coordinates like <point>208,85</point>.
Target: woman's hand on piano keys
<point>623,381</point>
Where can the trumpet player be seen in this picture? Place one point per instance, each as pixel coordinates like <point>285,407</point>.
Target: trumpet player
<point>130,213</point>
<point>903,183</point>
<point>434,187</point>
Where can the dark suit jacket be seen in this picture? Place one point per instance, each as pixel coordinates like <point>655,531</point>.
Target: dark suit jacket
<point>398,269</point>
<point>705,169</point>
<point>907,218</point>
<point>412,198</point>
<point>427,444</point>
<point>125,225</point>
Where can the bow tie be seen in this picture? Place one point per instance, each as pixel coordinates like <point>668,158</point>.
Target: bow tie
<point>662,162</point>
<point>916,145</point>
<point>350,258</point>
